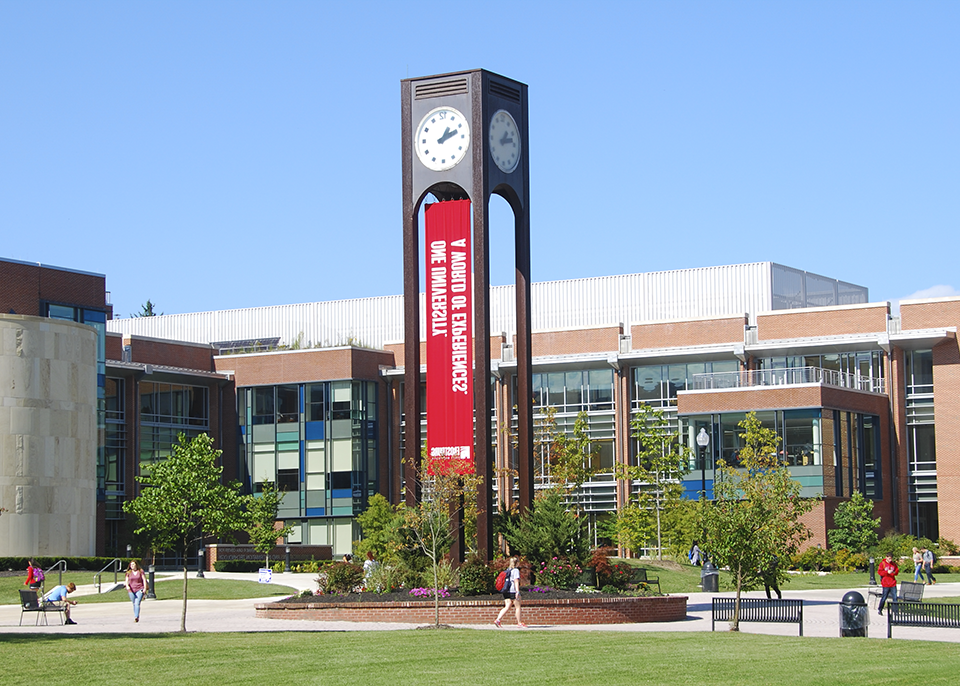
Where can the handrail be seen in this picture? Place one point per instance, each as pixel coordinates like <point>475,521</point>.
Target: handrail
<point>61,567</point>
<point>116,563</point>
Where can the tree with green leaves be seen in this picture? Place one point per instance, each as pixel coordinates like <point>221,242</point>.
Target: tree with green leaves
<point>660,465</point>
<point>549,530</point>
<point>380,524</point>
<point>182,500</point>
<point>147,310</point>
<point>754,519</point>
<point>856,528</point>
<point>262,526</point>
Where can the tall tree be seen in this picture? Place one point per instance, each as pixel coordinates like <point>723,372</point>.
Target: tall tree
<point>182,500</point>
<point>856,529</point>
<point>262,526</point>
<point>147,310</point>
<point>660,465</point>
<point>754,520</point>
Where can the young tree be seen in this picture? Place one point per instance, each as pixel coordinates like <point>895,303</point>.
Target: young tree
<point>262,520</point>
<point>380,523</point>
<point>660,465</point>
<point>182,500</point>
<point>549,530</point>
<point>754,520</point>
<point>856,529</point>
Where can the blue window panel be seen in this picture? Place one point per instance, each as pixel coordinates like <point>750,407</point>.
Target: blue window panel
<point>314,431</point>
<point>243,430</point>
<point>341,511</point>
<point>315,512</point>
<point>303,460</point>
<point>342,493</point>
<point>691,489</point>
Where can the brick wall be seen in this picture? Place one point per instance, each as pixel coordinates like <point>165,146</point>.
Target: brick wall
<point>304,366</point>
<point>575,342</point>
<point>822,321</point>
<point>686,333</point>
<point>24,286</point>
<point>564,612</point>
<point>170,353</point>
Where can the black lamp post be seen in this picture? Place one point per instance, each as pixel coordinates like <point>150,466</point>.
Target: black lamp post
<point>200,562</point>
<point>286,561</point>
<point>129,551</point>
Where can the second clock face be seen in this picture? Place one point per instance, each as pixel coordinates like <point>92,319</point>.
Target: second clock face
<point>504,141</point>
<point>442,139</point>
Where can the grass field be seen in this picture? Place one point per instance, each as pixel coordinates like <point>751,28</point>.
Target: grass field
<point>473,657</point>
<point>167,589</point>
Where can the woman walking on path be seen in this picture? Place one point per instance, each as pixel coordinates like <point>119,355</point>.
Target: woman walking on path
<point>888,580</point>
<point>511,593</point>
<point>917,565</point>
<point>136,584</point>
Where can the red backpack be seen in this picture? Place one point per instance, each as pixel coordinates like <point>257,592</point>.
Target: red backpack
<point>501,580</point>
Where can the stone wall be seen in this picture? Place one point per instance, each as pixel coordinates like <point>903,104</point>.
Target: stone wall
<point>48,437</point>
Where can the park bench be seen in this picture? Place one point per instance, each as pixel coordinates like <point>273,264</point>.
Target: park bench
<point>30,602</point>
<point>640,576</point>
<point>933,615</point>
<point>758,610</point>
<point>910,591</point>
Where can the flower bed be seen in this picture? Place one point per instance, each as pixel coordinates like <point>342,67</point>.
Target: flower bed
<point>553,608</point>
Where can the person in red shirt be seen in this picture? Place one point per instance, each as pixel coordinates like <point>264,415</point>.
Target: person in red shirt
<point>888,580</point>
<point>34,576</point>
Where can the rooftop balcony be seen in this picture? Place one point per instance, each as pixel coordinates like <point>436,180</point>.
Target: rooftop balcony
<point>787,377</point>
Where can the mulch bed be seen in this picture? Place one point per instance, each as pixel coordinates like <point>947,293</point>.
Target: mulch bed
<point>405,597</point>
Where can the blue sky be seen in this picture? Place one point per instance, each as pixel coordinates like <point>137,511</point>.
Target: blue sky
<point>196,152</point>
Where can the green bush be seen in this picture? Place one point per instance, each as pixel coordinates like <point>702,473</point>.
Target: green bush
<point>237,565</point>
<point>476,578</point>
<point>558,573</point>
<point>342,577</point>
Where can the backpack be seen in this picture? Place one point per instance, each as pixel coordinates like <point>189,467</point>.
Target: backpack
<point>501,580</point>
<point>38,574</point>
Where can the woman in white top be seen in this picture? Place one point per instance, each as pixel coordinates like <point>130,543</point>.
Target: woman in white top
<point>511,593</point>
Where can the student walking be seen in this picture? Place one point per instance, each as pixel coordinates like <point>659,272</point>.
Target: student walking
<point>136,585</point>
<point>511,593</point>
<point>888,580</point>
<point>928,559</point>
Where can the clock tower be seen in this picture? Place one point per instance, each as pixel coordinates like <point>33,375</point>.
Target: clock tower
<point>465,137</point>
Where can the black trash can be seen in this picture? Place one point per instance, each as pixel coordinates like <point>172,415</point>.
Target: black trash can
<point>709,578</point>
<point>853,615</point>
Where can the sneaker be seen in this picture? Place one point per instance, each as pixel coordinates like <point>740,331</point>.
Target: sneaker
<point>69,621</point>
<point>496,623</point>
<point>136,619</point>
<point>521,625</point>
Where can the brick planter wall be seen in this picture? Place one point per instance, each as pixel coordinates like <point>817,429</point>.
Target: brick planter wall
<point>626,610</point>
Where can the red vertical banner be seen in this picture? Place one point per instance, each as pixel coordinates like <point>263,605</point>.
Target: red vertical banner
<point>449,338</point>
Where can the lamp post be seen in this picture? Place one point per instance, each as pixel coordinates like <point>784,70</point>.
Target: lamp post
<point>200,562</point>
<point>703,440</point>
<point>129,550</point>
<point>286,561</point>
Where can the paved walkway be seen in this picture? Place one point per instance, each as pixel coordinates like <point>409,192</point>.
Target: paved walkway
<point>821,616</point>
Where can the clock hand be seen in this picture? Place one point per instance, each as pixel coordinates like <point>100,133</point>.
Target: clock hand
<point>506,139</point>
<point>446,135</point>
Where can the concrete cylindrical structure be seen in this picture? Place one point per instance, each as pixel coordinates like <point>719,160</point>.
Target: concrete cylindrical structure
<point>48,437</point>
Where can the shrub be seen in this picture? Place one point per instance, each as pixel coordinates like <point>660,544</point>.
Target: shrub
<point>447,576</point>
<point>237,565</point>
<point>476,578</point>
<point>847,561</point>
<point>342,577</point>
<point>384,579</point>
<point>611,590</point>
<point>558,573</point>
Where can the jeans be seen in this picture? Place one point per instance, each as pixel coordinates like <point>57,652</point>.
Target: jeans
<point>135,598</point>
<point>888,592</point>
<point>918,572</point>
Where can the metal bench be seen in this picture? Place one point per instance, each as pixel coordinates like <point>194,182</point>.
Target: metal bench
<point>910,591</point>
<point>29,602</point>
<point>758,610</point>
<point>933,615</point>
<point>641,577</point>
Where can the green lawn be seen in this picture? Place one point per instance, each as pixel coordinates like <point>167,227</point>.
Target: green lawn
<point>167,589</point>
<point>685,579</point>
<point>474,657</point>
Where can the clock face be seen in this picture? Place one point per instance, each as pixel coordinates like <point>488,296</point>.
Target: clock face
<point>442,139</point>
<point>504,141</point>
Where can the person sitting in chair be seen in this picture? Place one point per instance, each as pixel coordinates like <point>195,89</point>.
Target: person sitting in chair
<point>59,595</point>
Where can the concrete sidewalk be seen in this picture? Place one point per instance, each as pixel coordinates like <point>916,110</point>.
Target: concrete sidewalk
<point>820,612</point>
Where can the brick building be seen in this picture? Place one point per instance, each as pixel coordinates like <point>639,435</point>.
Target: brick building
<point>310,395</point>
